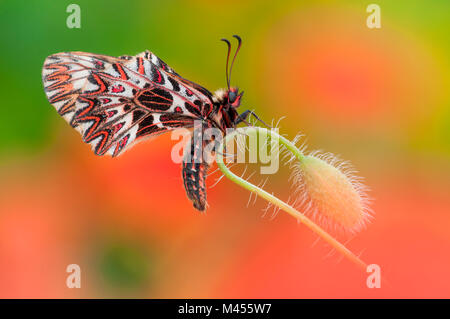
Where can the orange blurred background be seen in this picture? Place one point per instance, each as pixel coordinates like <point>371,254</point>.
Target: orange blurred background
<point>376,97</point>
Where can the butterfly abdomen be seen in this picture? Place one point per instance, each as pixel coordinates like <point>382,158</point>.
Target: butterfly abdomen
<point>194,170</point>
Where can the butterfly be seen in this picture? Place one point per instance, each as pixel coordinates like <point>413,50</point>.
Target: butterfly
<point>114,102</point>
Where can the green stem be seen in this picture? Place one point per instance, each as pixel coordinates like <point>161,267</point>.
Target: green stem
<point>274,200</point>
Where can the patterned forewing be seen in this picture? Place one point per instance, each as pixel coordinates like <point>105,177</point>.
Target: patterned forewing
<point>114,102</point>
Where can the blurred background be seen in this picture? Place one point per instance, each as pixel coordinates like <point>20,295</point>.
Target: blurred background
<point>376,97</point>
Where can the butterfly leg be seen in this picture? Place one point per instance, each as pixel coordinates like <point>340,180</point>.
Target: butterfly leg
<point>242,118</point>
<point>195,168</point>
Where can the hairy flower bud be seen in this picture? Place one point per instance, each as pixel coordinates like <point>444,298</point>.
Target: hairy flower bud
<point>330,192</point>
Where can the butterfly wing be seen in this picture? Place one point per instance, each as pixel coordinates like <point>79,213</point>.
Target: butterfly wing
<point>114,102</point>
<point>184,86</point>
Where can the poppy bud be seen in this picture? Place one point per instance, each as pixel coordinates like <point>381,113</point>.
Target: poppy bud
<point>330,192</point>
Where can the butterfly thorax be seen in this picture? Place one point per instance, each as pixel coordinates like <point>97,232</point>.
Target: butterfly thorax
<point>225,103</point>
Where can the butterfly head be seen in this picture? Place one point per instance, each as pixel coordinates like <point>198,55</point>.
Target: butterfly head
<point>229,98</point>
<point>234,97</point>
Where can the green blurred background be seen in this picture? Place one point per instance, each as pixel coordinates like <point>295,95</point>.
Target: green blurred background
<point>377,97</point>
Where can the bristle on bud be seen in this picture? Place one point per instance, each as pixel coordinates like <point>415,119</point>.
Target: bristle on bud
<point>329,191</point>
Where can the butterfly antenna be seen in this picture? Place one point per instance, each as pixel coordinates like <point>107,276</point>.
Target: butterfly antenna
<point>228,58</point>
<point>235,54</point>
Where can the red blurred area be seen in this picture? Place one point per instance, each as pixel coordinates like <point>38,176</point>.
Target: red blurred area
<point>347,74</point>
<point>51,215</point>
<point>39,234</point>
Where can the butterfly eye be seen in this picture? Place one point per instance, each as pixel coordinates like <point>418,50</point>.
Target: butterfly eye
<point>232,96</point>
